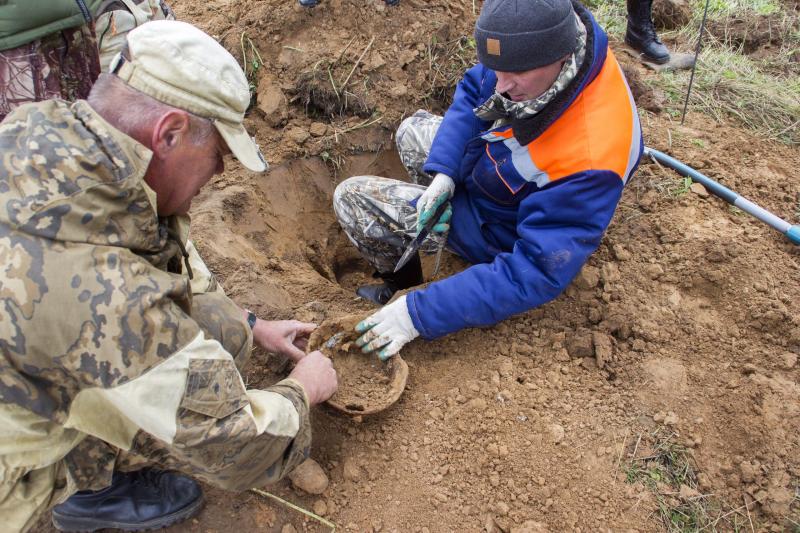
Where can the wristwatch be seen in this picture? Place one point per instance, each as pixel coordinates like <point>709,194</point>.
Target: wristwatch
<point>251,318</point>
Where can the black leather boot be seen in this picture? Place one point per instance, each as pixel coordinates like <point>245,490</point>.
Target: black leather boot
<point>408,276</point>
<point>135,501</point>
<point>641,34</point>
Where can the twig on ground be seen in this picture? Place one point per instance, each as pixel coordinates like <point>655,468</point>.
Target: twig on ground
<point>744,499</point>
<point>636,448</point>
<point>358,61</point>
<point>720,517</point>
<point>295,507</point>
<point>368,122</point>
<point>333,84</point>
<point>345,49</point>
<point>621,451</point>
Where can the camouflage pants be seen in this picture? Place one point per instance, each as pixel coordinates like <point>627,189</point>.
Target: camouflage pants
<point>379,215</point>
<point>62,65</point>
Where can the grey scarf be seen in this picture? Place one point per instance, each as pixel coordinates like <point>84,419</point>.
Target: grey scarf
<point>500,109</point>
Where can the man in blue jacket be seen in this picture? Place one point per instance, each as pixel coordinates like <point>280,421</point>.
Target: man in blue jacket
<point>532,155</point>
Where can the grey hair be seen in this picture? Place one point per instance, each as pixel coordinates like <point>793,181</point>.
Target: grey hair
<point>132,111</point>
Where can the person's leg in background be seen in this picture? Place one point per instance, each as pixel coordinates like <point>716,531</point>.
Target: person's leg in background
<point>641,34</point>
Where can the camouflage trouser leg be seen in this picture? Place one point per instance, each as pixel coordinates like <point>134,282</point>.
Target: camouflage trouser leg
<point>62,65</point>
<point>377,215</point>
<point>414,139</point>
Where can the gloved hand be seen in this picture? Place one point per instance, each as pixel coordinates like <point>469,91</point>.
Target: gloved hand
<point>438,192</point>
<point>388,330</point>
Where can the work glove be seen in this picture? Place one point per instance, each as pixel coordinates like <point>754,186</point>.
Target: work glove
<point>438,192</point>
<point>387,330</point>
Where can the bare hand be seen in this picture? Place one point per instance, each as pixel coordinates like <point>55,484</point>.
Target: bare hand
<point>316,374</point>
<point>285,337</point>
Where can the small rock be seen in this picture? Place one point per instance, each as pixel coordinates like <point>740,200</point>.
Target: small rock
<point>398,90</point>
<point>579,344</point>
<point>288,528</point>
<point>654,271</point>
<point>610,273</point>
<point>788,360</point>
<point>620,253</point>
<point>298,135</point>
<point>602,348</point>
<point>502,508</point>
<point>318,129</point>
<point>320,508</point>
<point>671,419</point>
<point>309,477</point>
<point>588,278</point>
<point>272,102</point>
<point>699,190</point>
<point>436,413</point>
<point>478,404</point>
<point>557,431</point>
<point>749,368</point>
<point>530,526</point>
<point>748,472</point>
<point>350,469</point>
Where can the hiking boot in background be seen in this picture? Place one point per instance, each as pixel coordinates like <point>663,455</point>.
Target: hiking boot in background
<point>641,34</point>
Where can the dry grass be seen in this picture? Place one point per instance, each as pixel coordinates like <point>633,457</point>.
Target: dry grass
<point>665,467</point>
<point>762,90</point>
<point>447,62</point>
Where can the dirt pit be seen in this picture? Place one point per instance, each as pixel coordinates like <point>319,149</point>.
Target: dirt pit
<point>366,385</point>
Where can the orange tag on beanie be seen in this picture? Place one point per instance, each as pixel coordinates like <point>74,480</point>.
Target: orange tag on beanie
<point>493,47</point>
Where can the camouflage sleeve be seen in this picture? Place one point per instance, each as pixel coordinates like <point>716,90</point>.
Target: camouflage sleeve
<point>192,413</point>
<point>190,410</point>
<point>202,278</point>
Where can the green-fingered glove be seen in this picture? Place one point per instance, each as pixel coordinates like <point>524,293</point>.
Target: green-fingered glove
<point>438,192</point>
<point>387,330</point>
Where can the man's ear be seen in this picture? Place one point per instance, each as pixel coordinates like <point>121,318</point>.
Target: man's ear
<point>171,129</point>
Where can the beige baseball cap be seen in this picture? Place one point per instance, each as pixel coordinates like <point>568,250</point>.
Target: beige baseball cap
<point>181,66</point>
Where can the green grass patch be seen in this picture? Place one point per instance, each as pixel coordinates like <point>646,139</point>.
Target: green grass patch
<point>658,462</point>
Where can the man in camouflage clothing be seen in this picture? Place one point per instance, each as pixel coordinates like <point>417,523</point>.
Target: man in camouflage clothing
<point>116,355</point>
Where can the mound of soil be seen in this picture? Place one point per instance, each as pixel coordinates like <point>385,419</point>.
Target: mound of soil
<point>366,385</point>
<point>671,14</point>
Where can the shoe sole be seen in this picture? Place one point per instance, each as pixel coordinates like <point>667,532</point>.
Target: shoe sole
<point>74,524</point>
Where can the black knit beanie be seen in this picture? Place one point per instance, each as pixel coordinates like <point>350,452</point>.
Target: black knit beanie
<point>519,35</point>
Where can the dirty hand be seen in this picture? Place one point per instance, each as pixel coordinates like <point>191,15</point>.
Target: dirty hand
<point>438,192</point>
<point>388,330</point>
<point>316,374</point>
<point>285,337</point>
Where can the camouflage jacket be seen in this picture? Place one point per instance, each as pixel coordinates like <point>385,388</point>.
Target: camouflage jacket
<point>107,358</point>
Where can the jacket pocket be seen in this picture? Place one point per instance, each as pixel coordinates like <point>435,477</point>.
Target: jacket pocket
<point>214,388</point>
<point>496,177</point>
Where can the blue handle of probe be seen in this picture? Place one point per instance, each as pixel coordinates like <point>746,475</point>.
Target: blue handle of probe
<point>794,234</point>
